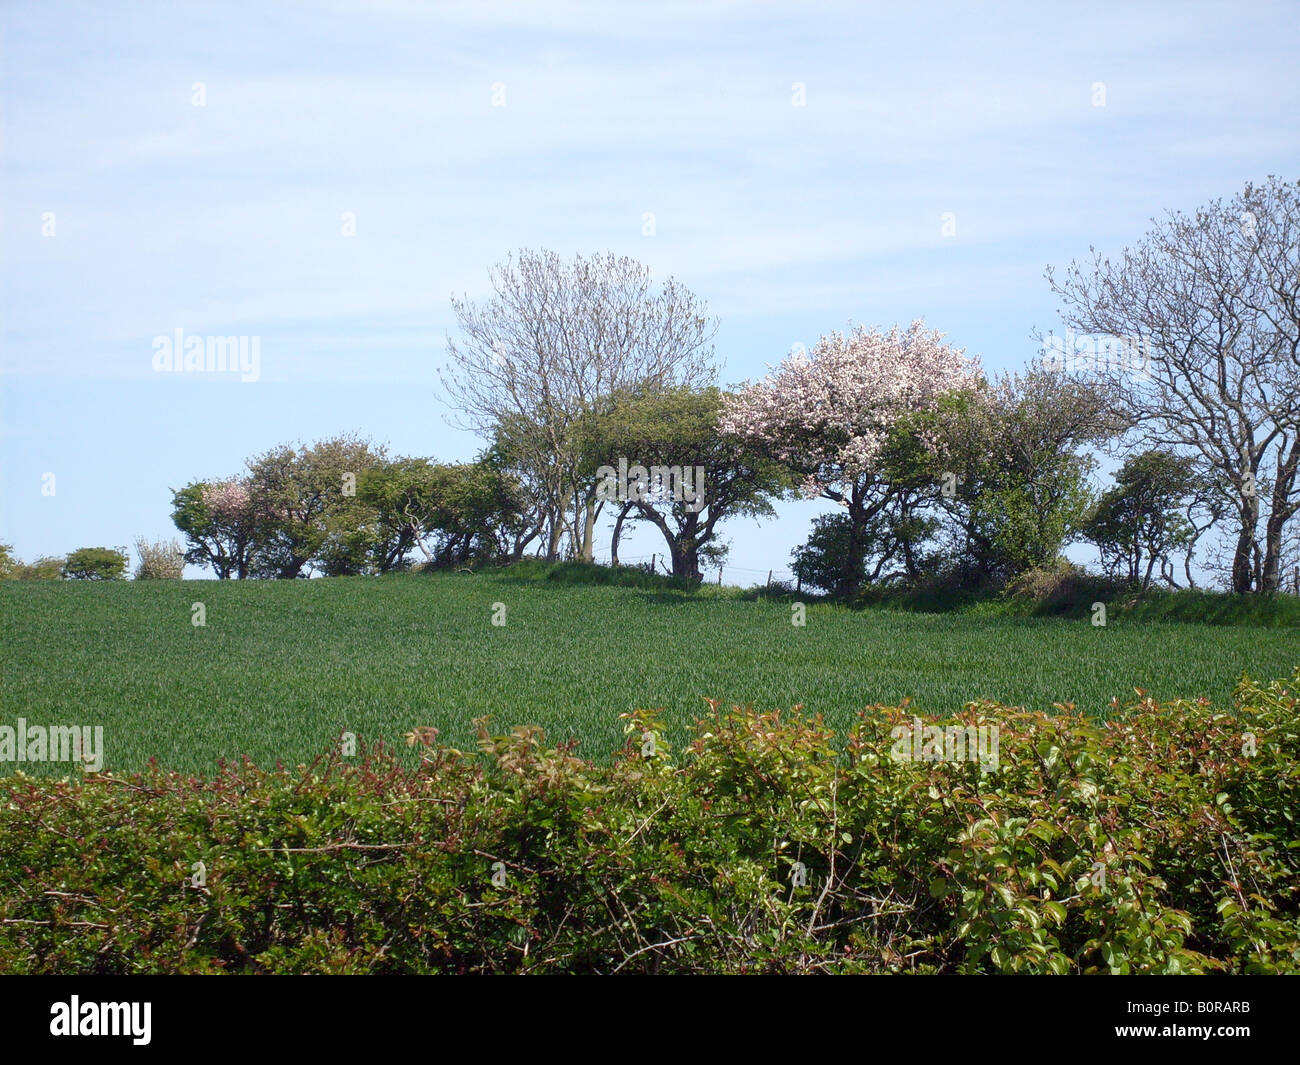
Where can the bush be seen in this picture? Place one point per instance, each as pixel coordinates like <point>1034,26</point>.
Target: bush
<point>159,561</point>
<point>95,564</point>
<point>1062,587</point>
<point>44,568</point>
<point>1166,840</point>
<point>1055,581</point>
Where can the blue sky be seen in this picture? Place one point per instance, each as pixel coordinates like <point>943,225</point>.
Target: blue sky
<point>789,220</point>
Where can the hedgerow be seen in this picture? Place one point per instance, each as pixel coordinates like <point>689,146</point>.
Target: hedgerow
<point>1163,840</point>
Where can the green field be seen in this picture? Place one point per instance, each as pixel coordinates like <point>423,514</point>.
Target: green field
<point>280,668</point>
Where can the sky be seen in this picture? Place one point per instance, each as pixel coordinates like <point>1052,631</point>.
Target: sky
<point>325,176</point>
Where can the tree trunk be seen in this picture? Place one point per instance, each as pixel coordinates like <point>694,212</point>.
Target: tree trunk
<point>855,573</point>
<point>1280,511</point>
<point>556,533</point>
<point>683,548</point>
<point>588,552</point>
<point>1243,571</point>
<point>424,549</point>
<point>618,533</point>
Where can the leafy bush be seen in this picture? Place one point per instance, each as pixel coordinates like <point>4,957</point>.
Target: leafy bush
<point>594,574</point>
<point>1163,841</point>
<point>43,568</point>
<point>1061,587</point>
<point>95,564</point>
<point>824,560</point>
<point>159,561</point>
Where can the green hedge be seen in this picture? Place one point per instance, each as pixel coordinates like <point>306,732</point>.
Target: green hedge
<point>1162,841</point>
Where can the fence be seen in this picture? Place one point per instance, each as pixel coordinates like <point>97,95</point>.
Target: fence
<point>740,576</point>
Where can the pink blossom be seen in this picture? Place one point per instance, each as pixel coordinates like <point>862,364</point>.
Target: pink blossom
<point>830,412</point>
<point>228,500</point>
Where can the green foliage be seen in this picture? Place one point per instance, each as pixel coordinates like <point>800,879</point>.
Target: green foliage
<point>342,508</point>
<point>1138,522</point>
<point>307,505</point>
<point>1021,491</point>
<point>1167,841</point>
<point>833,558</point>
<point>44,568</point>
<point>529,570</point>
<point>95,564</point>
<point>221,525</point>
<point>1059,587</point>
<point>822,561</point>
<point>678,427</point>
<point>474,509</point>
<point>1215,608</point>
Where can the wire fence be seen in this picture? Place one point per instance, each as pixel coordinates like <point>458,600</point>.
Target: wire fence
<point>748,577</point>
<point>740,576</point>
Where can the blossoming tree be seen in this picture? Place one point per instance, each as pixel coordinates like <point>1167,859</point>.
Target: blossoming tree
<point>220,520</point>
<point>834,415</point>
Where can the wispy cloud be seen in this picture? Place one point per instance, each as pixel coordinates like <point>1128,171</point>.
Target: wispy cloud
<point>798,161</point>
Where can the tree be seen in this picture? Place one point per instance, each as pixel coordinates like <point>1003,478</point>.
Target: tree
<point>307,507</point>
<point>1139,521</point>
<point>553,340</point>
<point>830,417</point>
<point>1015,483</point>
<point>696,477</point>
<point>473,511</point>
<point>95,564</point>
<point>222,524</point>
<point>518,446</point>
<point>477,513</point>
<point>400,494</point>
<point>822,560</point>
<point>1213,301</point>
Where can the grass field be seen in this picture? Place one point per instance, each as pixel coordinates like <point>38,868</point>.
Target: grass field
<point>280,668</point>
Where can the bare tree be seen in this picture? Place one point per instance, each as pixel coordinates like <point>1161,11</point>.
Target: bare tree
<point>555,339</point>
<point>1210,302</point>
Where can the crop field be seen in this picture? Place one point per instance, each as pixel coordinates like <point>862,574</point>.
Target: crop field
<point>279,669</point>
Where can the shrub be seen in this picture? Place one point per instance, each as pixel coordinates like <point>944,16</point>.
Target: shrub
<point>159,561</point>
<point>95,564</point>
<point>1166,840</point>
<point>44,568</point>
<point>1061,587</point>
